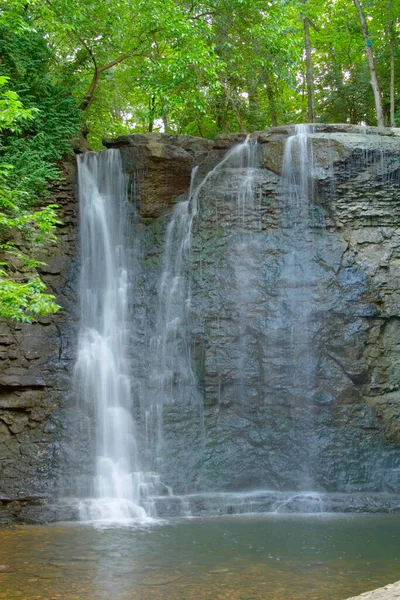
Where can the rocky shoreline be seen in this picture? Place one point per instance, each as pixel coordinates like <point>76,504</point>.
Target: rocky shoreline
<point>41,510</point>
<point>387,592</point>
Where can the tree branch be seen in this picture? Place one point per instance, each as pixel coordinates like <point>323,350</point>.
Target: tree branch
<point>89,51</point>
<point>372,68</point>
<point>204,14</point>
<point>313,25</point>
<point>88,98</point>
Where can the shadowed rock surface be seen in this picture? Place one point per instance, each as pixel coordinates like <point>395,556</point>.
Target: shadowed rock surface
<point>35,373</point>
<point>159,167</point>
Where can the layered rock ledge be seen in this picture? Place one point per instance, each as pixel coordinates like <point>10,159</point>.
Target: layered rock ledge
<point>35,371</point>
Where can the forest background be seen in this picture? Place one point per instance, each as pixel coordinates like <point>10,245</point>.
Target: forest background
<point>102,68</point>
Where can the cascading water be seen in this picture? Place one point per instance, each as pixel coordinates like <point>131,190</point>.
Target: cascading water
<point>172,378</point>
<point>101,373</point>
<point>171,372</point>
<point>231,361</point>
<point>244,160</point>
<point>119,489</point>
<point>296,171</point>
<point>299,273</point>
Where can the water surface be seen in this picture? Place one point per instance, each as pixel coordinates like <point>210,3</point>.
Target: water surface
<point>236,558</point>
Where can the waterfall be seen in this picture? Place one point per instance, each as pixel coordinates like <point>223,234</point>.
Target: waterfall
<point>101,374</point>
<point>225,376</point>
<point>297,186</point>
<point>172,380</point>
<point>242,255</point>
<point>299,274</point>
<point>296,172</point>
<point>171,373</point>
<point>119,489</point>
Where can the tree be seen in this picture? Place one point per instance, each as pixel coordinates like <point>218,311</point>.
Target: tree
<point>371,62</point>
<point>207,66</point>
<point>309,71</point>
<point>21,299</point>
<point>150,48</point>
<point>37,122</point>
<point>391,35</point>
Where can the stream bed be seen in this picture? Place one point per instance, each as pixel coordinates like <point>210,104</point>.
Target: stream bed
<point>251,557</point>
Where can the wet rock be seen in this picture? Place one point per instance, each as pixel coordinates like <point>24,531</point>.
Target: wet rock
<point>227,140</point>
<point>260,431</point>
<point>198,505</point>
<point>160,167</point>
<point>6,569</point>
<point>18,380</point>
<point>227,432</point>
<point>31,379</point>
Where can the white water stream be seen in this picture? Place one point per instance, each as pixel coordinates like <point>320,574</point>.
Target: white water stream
<point>120,490</point>
<point>300,276</point>
<point>171,370</point>
<point>101,373</point>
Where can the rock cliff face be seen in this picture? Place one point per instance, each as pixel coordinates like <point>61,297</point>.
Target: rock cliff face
<point>159,167</point>
<point>35,374</point>
<point>260,422</point>
<point>293,334</point>
<point>318,406</point>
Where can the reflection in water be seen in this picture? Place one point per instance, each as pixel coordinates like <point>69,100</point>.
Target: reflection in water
<point>251,558</point>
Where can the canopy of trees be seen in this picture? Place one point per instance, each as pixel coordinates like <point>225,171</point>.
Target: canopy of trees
<point>109,67</point>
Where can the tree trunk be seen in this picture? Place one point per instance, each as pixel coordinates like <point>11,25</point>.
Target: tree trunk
<point>220,111</point>
<point>97,72</point>
<point>254,111</point>
<point>338,78</point>
<point>199,128</point>
<point>309,72</point>
<point>392,95</point>
<point>272,108</point>
<point>271,102</point>
<point>165,123</point>
<point>151,113</point>
<point>391,52</point>
<point>371,61</point>
<point>89,94</point>
<point>235,109</point>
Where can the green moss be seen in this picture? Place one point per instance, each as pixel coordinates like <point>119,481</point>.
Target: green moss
<point>148,220</point>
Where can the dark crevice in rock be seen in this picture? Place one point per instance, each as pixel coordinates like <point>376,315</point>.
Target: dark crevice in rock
<point>60,351</point>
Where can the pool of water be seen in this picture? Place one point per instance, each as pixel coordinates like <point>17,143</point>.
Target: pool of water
<point>270,557</point>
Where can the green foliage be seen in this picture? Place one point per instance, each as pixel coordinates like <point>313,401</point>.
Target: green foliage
<point>198,66</point>
<point>35,152</point>
<point>21,301</point>
<point>24,299</point>
<point>37,121</point>
<point>207,66</point>
<point>37,142</point>
<point>12,112</point>
<point>182,66</point>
